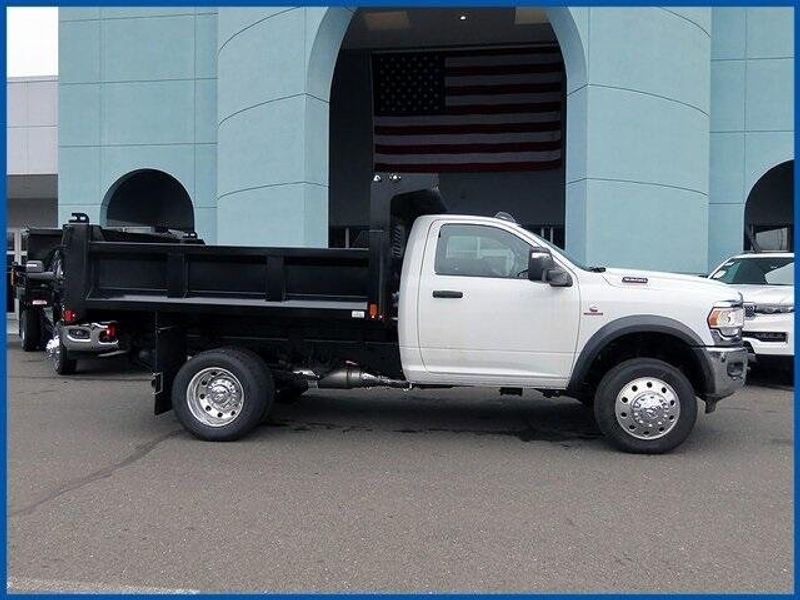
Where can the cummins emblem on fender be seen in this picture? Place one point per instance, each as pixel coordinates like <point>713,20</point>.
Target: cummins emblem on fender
<point>634,280</point>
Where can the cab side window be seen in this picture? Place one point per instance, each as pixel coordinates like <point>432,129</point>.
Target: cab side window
<point>480,251</point>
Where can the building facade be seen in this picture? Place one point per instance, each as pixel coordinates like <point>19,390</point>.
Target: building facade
<point>32,161</point>
<point>258,126</point>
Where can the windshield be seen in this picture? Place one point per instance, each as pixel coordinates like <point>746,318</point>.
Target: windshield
<point>757,270</point>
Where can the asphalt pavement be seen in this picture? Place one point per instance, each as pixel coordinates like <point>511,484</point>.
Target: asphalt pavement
<point>448,490</point>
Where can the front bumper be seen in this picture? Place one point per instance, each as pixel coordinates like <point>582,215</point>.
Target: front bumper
<point>770,335</point>
<point>724,370</point>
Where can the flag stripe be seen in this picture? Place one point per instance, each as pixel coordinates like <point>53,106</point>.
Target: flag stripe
<point>469,158</point>
<point>505,99</point>
<point>494,109</point>
<point>459,129</point>
<point>511,88</point>
<point>468,148</point>
<point>521,69</point>
<point>439,119</point>
<point>473,138</point>
<point>503,79</point>
<point>477,167</point>
<point>505,51</point>
<point>519,59</point>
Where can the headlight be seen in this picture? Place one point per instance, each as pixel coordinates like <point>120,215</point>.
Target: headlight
<point>774,309</point>
<point>727,320</point>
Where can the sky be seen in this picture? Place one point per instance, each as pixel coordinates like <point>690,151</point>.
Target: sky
<point>32,36</point>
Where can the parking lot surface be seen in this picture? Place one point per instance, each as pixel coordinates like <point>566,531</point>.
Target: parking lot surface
<point>453,490</point>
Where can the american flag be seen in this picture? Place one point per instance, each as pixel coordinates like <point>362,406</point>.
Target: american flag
<point>490,109</point>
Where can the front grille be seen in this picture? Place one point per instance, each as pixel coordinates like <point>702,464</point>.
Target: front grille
<point>749,310</point>
<point>767,336</point>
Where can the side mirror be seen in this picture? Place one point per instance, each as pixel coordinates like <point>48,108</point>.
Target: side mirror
<point>558,277</point>
<point>539,263</point>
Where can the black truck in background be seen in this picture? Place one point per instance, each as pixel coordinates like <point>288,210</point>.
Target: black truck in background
<point>35,289</point>
<point>38,283</point>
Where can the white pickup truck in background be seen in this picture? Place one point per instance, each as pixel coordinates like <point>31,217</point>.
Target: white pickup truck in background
<point>766,282</point>
<point>435,300</point>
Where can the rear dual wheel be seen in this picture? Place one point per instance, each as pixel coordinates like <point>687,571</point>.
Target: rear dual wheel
<point>60,359</point>
<point>30,329</point>
<point>645,406</point>
<point>222,394</point>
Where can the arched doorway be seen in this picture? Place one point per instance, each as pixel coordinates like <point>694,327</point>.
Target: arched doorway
<point>769,212</point>
<point>491,121</point>
<point>148,198</point>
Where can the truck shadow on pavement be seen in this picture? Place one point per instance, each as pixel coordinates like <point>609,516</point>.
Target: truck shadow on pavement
<point>528,419</point>
<point>771,376</point>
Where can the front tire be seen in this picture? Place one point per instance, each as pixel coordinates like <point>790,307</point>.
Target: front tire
<point>645,406</point>
<point>220,395</point>
<point>30,329</point>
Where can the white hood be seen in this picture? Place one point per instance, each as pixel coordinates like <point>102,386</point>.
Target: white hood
<point>633,278</point>
<point>766,294</point>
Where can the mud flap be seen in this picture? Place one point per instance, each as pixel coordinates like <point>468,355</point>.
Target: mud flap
<point>169,356</point>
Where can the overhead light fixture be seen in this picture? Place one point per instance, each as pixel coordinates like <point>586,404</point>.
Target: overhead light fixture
<point>529,16</point>
<point>462,18</point>
<point>387,20</point>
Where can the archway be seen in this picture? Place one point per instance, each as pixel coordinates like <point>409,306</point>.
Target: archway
<point>148,198</point>
<point>769,211</point>
<point>537,196</point>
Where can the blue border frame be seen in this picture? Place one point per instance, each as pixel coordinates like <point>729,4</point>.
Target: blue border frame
<point>477,3</point>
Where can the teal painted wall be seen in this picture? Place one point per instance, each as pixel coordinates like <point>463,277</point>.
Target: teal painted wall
<point>273,125</point>
<point>662,146</point>
<point>752,113</point>
<point>641,182</point>
<point>137,89</point>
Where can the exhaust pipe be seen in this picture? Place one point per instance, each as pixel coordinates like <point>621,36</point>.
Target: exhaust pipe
<point>354,377</point>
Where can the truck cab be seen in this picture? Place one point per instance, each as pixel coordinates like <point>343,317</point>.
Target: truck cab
<point>484,302</point>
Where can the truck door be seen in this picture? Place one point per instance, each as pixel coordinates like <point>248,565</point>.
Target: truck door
<point>481,321</point>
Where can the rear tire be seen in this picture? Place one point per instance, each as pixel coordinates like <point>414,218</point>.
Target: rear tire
<point>222,394</point>
<point>60,359</point>
<point>30,329</point>
<point>645,406</point>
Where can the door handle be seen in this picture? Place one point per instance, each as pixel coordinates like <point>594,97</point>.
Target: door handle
<point>447,294</point>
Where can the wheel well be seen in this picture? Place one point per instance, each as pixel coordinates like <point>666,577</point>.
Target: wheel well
<point>663,346</point>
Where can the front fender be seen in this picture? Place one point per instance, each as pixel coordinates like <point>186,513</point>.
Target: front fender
<point>625,326</point>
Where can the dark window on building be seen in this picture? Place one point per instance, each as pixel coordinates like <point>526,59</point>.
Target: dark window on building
<point>775,238</point>
<point>552,233</point>
<point>769,211</point>
<point>348,237</point>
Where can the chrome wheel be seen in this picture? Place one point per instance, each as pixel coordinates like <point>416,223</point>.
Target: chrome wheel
<point>647,408</point>
<point>53,348</point>
<point>215,397</point>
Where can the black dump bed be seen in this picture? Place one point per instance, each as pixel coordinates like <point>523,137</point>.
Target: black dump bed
<point>108,274</point>
<point>163,276</point>
<point>35,283</point>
